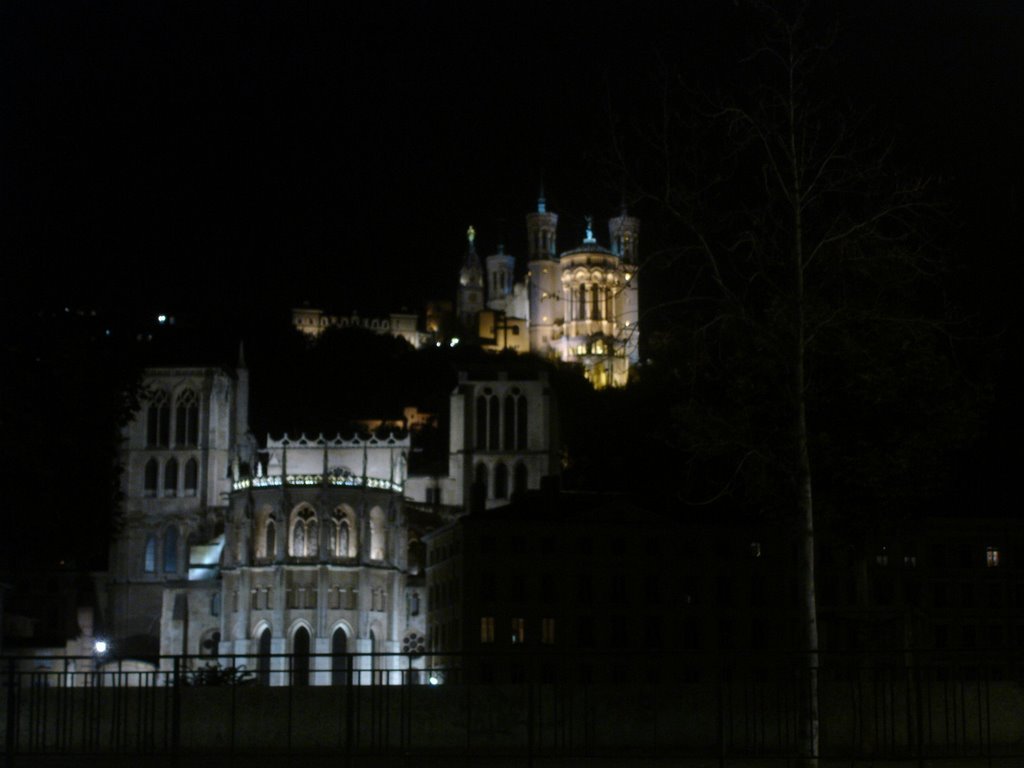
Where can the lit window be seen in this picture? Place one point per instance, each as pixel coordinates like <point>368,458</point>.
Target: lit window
<point>191,477</point>
<point>518,631</point>
<point>305,532</point>
<point>992,557</point>
<point>171,550</point>
<point>547,631</point>
<point>149,564</point>
<point>186,422</point>
<point>882,558</point>
<point>487,629</point>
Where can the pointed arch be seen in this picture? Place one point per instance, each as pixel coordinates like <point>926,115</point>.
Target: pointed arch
<point>341,533</point>
<point>339,656</point>
<point>481,422</point>
<point>171,477</point>
<point>171,549</point>
<point>149,555</point>
<point>303,536</point>
<point>509,423</point>
<point>158,420</point>
<point>300,656</point>
<point>191,477</point>
<point>493,422</point>
<point>186,419</point>
<point>151,477</point>
<point>522,423</point>
<point>263,636</point>
<point>500,480</point>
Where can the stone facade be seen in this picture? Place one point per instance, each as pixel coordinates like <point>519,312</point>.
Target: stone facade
<point>301,546</point>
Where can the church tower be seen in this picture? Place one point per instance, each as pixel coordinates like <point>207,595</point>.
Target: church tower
<point>543,276</point>
<point>624,231</point>
<point>471,285</point>
<point>500,278</point>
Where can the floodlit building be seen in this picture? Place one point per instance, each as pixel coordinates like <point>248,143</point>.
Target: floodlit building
<point>581,306</point>
<point>291,554</point>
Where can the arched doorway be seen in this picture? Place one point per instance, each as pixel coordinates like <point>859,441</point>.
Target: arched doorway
<point>339,659</point>
<point>263,658</point>
<point>300,657</point>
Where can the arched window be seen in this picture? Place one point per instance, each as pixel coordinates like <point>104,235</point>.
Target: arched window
<point>509,423</point>
<point>263,657</point>
<point>378,534</point>
<point>493,423</point>
<point>171,477</point>
<point>500,481</point>
<point>270,540</point>
<point>522,423</point>
<point>149,558</point>
<point>304,538</point>
<point>339,659</point>
<point>191,477</point>
<point>480,477</point>
<point>151,474</point>
<point>595,303</point>
<point>415,556</point>
<point>341,536</point>
<point>481,422</point>
<point>186,421</point>
<point>171,550</point>
<point>520,479</point>
<point>581,303</point>
<point>158,420</point>
<point>300,657</point>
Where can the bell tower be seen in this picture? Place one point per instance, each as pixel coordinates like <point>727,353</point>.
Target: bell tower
<point>543,274</point>
<point>471,285</point>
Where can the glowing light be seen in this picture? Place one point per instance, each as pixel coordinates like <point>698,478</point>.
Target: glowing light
<point>161,319</point>
<point>435,678</point>
<point>100,647</point>
<point>454,342</point>
<point>438,344</point>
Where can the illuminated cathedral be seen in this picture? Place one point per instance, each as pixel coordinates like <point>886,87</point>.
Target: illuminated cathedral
<point>579,306</point>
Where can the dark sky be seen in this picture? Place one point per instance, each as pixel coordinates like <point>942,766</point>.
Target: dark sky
<point>244,156</point>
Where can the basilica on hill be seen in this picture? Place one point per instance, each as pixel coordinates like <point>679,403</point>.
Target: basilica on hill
<point>580,306</point>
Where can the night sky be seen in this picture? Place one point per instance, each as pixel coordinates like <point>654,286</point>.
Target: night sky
<point>231,161</point>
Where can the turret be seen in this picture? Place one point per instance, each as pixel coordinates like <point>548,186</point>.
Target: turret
<point>540,231</point>
<point>624,232</point>
<point>471,284</point>
<point>543,278</point>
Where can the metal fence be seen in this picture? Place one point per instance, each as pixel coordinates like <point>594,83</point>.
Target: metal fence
<point>525,707</point>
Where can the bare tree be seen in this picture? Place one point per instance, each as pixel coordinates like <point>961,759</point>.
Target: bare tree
<point>795,241</point>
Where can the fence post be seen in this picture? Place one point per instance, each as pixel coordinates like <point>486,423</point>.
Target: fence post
<point>176,714</point>
<point>349,708</point>
<point>11,740</point>
<point>720,724</point>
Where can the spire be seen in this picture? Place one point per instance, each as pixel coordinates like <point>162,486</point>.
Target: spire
<point>542,203</point>
<point>241,354</point>
<point>471,236</point>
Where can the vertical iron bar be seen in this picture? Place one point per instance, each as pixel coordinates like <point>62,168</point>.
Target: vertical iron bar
<point>176,714</point>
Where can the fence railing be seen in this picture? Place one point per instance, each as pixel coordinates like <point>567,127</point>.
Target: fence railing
<point>909,706</point>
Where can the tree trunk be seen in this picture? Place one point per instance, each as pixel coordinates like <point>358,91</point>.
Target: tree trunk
<point>805,499</point>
